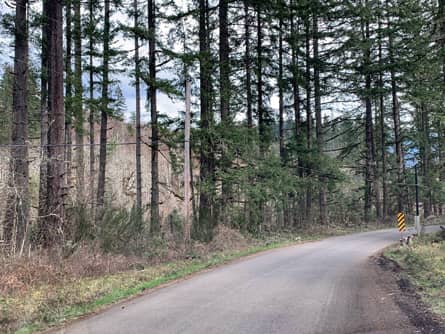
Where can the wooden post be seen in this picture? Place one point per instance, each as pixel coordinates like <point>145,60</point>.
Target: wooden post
<point>187,162</point>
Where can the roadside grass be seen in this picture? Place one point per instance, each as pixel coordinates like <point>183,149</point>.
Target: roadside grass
<point>42,306</point>
<point>423,264</point>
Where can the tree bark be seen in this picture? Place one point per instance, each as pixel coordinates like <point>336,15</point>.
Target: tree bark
<point>224,66</point>
<point>247,63</point>
<point>295,83</point>
<point>382,133</point>
<point>68,93</point>
<point>369,131</point>
<point>203,228</point>
<point>104,112</point>
<point>43,168</point>
<point>426,162</point>
<point>137,75</point>
<point>78,105</point>
<point>91,103</point>
<point>281,90</point>
<point>17,207</point>
<point>224,92</point>
<point>55,216</point>
<point>322,197</point>
<point>260,106</point>
<point>308,115</point>
<point>155,221</point>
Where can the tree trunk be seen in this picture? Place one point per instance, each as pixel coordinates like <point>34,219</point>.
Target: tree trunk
<point>78,104</point>
<point>260,107</point>
<point>426,162</point>
<point>203,228</point>
<point>92,107</point>
<point>295,83</point>
<point>397,128</point>
<point>308,116</point>
<point>322,197</point>
<point>247,65</point>
<point>155,221</point>
<point>43,172</point>
<point>137,74</point>
<point>224,90</point>
<point>281,91</point>
<point>382,134</point>
<point>68,93</point>
<point>104,112</point>
<point>17,207</point>
<point>55,217</point>
<point>224,66</point>
<point>369,132</point>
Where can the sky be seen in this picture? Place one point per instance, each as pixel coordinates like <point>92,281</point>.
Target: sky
<point>165,104</point>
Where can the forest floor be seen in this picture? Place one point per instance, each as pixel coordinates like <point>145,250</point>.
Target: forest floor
<point>420,273</point>
<point>44,290</point>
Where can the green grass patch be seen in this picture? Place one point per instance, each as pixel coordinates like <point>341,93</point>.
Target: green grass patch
<point>423,264</point>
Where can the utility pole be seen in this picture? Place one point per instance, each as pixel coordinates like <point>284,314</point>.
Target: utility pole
<point>417,224</point>
<point>187,161</point>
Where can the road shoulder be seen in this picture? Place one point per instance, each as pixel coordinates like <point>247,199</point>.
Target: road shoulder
<point>406,297</point>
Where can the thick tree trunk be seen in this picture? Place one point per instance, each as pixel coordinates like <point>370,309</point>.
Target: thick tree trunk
<point>17,207</point>
<point>68,93</point>
<point>224,66</point>
<point>441,129</point>
<point>104,112</point>
<point>137,74</point>
<point>155,221</point>
<point>55,217</point>
<point>78,105</point>
<point>92,108</point>
<point>247,65</point>
<point>43,172</point>
<point>203,227</point>
<point>224,92</point>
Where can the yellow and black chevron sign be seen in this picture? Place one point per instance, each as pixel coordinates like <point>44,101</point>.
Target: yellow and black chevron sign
<point>401,222</point>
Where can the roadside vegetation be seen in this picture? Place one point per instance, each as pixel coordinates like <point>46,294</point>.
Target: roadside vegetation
<point>44,291</point>
<point>423,265</point>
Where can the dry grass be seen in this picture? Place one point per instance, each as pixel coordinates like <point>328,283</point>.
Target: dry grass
<point>46,288</point>
<point>423,264</point>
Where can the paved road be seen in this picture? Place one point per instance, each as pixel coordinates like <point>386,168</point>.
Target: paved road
<point>324,287</point>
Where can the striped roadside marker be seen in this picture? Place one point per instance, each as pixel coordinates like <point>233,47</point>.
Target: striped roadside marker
<point>401,222</point>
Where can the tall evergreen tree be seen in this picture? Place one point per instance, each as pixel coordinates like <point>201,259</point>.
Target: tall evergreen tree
<point>77,103</point>
<point>54,223</point>
<point>18,203</point>
<point>155,222</point>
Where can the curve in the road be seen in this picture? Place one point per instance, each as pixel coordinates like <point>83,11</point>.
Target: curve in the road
<point>323,287</point>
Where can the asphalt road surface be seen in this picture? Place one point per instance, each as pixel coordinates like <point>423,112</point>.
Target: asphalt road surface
<point>324,287</point>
